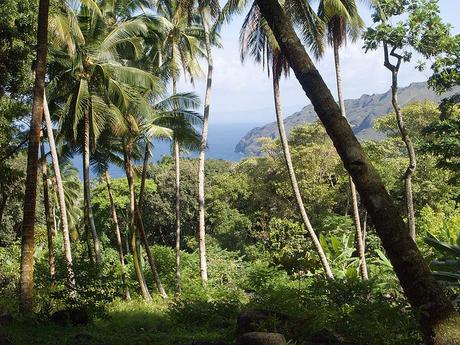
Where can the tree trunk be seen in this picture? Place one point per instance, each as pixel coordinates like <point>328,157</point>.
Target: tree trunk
<point>440,323</point>
<point>177,166</point>
<point>293,178</point>
<point>30,196</point>
<point>87,190</point>
<point>117,235</point>
<point>49,220</point>
<point>354,196</point>
<point>132,214</point>
<point>204,137</point>
<point>140,224</point>
<point>61,196</point>
<point>394,69</point>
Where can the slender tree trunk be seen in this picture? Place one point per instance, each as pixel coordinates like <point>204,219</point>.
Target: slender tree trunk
<point>405,138</point>
<point>364,229</point>
<point>140,224</point>
<point>204,138</point>
<point>117,235</point>
<point>293,178</point>
<point>30,196</point>
<point>440,322</point>
<point>151,259</point>
<point>178,235</point>
<point>134,234</point>
<point>61,196</point>
<point>87,190</point>
<point>354,196</point>
<point>3,205</point>
<point>49,220</point>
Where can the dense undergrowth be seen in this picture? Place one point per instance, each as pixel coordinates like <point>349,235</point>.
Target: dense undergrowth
<point>346,311</point>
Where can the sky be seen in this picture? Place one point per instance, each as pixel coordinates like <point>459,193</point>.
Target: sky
<point>242,93</point>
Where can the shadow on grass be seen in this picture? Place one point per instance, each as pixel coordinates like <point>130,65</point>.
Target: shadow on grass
<point>135,323</point>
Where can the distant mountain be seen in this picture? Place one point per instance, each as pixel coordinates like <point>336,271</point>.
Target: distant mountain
<point>361,114</point>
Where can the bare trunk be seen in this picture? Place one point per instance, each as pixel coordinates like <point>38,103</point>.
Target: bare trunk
<point>30,196</point>
<point>151,259</point>
<point>204,137</point>
<point>48,217</point>
<point>440,322</point>
<point>177,165</point>
<point>354,196</point>
<point>134,234</point>
<point>404,136</point>
<point>293,178</point>
<point>61,196</point>
<point>117,235</point>
<point>87,191</point>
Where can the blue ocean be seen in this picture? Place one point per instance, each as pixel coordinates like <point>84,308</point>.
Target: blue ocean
<point>222,139</point>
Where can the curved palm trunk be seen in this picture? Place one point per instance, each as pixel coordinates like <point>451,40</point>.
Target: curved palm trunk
<point>177,166</point>
<point>140,224</point>
<point>134,234</point>
<point>49,220</point>
<point>354,196</point>
<point>61,196</point>
<point>204,137</point>
<point>26,280</point>
<point>87,190</point>
<point>117,234</point>
<point>439,321</point>
<point>405,138</point>
<point>293,178</point>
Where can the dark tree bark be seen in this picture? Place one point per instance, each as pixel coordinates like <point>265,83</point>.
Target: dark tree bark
<point>30,196</point>
<point>49,220</point>
<point>439,321</point>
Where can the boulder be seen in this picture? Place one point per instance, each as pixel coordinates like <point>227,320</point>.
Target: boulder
<point>261,338</point>
<point>255,319</point>
<point>325,337</point>
<point>72,316</point>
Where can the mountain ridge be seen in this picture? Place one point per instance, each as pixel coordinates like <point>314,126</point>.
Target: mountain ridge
<point>361,113</point>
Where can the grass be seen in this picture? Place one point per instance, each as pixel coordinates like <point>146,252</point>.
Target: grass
<point>133,323</point>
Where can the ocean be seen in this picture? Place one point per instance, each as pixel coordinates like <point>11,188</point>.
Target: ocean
<point>222,139</point>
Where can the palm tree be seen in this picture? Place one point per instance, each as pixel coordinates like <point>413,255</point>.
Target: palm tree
<point>48,217</point>
<point>60,194</point>
<point>30,195</point>
<point>439,320</point>
<point>257,40</point>
<point>97,85</point>
<point>100,161</point>
<point>206,8</point>
<point>342,20</point>
<point>181,50</point>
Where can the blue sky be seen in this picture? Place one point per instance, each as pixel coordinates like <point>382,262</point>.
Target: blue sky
<point>242,93</point>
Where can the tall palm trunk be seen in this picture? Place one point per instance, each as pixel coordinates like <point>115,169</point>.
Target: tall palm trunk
<point>49,220</point>
<point>404,136</point>
<point>140,224</point>
<point>134,233</point>
<point>354,196</point>
<point>87,190</point>
<point>117,234</point>
<point>439,321</point>
<point>178,234</point>
<point>204,137</point>
<point>61,196</point>
<point>293,178</point>
<point>30,196</point>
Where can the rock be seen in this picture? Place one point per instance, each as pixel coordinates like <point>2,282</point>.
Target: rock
<point>81,339</point>
<point>71,316</point>
<point>205,342</point>
<point>261,338</point>
<point>325,337</point>
<point>6,319</point>
<point>5,341</point>
<point>254,320</point>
